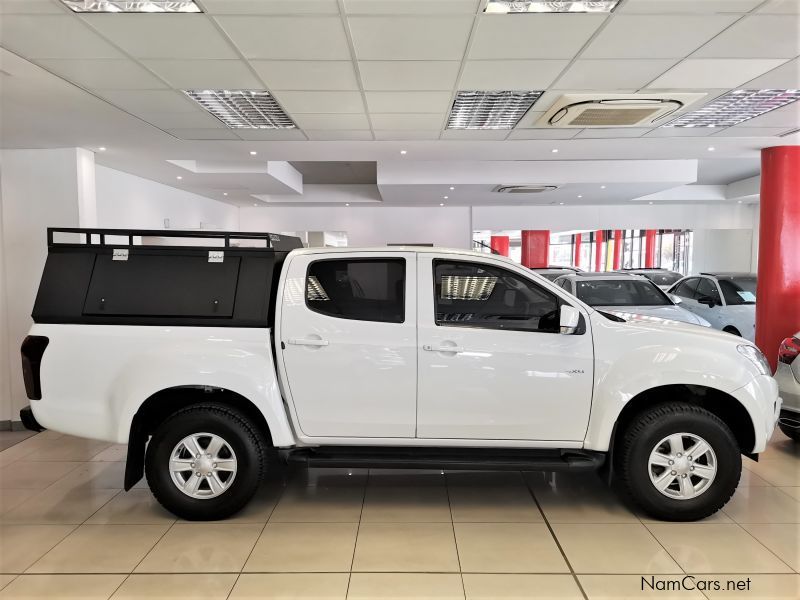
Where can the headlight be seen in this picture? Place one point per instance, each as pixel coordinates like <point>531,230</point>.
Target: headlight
<point>756,357</point>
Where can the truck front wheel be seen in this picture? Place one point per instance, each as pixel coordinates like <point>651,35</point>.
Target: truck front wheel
<point>204,462</point>
<point>679,462</point>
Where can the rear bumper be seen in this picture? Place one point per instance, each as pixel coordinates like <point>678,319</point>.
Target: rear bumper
<point>789,387</point>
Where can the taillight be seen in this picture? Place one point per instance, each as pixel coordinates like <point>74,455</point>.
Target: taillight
<point>33,347</point>
<point>789,349</point>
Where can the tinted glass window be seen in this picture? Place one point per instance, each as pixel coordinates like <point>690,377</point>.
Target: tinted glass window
<point>708,289</point>
<point>473,295</point>
<point>663,277</point>
<point>362,289</point>
<point>741,290</point>
<point>620,292</point>
<point>687,288</point>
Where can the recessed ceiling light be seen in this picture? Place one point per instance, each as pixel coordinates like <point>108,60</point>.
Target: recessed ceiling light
<point>452,188</point>
<point>490,110</point>
<point>136,6</point>
<point>347,204</point>
<point>602,187</point>
<point>735,107</point>
<point>441,203</point>
<point>550,6</point>
<point>738,202</point>
<point>179,177</point>
<point>554,150</point>
<point>224,193</point>
<point>102,148</point>
<point>403,152</point>
<point>711,148</point>
<point>243,109</point>
<point>255,203</point>
<point>561,203</point>
<point>649,202</point>
<point>253,152</point>
<point>580,196</point>
<point>445,197</point>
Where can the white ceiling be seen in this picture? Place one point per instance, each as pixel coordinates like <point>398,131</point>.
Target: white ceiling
<point>365,78</point>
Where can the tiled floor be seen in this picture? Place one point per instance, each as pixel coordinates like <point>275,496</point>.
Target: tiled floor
<point>67,531</point>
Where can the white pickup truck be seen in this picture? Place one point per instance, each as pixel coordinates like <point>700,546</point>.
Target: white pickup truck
<point>212,359</point>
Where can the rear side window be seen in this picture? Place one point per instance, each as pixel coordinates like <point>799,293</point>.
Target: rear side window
<point>687,288</point>
<point>708,289</point>
<point>361,289</point>
<point>477,295</point>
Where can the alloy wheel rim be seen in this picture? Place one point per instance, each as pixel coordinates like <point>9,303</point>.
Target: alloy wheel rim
<point>682,466</point>
<point>203,465</point>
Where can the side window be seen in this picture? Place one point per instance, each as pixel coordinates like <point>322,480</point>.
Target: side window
<point>364,289</point>
<point>708,288</point>
<point>477,295</point>
<point>687,288</point>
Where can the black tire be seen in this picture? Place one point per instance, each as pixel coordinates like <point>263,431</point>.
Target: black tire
<point>732,330</point>
<point>788,424</point>
<point>240,434</point>
<point>651,426</point>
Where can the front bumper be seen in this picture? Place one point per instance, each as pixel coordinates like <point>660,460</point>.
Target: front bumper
<point>760,398</point>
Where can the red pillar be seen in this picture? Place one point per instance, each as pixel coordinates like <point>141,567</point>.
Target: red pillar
<point>535,248</point>
<point>617,249</point>
<point>778,307</point>
<point>499,244</point>
<point>650,248</point>
<point>577,261</point>
<point>598,249</point>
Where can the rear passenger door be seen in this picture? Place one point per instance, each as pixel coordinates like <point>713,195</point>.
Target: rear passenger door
<point>348,333</point>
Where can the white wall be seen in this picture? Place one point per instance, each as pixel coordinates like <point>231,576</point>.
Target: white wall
<point>128,201</point>
<point>368,226</point>
<point>723,250</point>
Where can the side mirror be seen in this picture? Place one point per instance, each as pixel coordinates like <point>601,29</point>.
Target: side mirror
<point>675,299</point>
<point>707,300</point>
<point>569,318</point>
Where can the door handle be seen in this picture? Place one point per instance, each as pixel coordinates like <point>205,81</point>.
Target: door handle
<point>307,342</point>
<point>454,349</point>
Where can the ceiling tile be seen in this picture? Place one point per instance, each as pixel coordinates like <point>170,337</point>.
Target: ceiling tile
<point>510,74</point>
<point>612,74</point>
<point>285,135</point>
<point>532,36</point>
<point>791,7</point>
<point>396,7</point>
<point>716,72</point>
<point>181,120</point>
<point>759,36</point>
<point>410,38</point>
<point>475,134</point>
<point>294,38</point>
<point>751,132</point>
<point>137,101</point>
<point>785,77</point>
<point>306,74</point>
<point>682,132</point>
<point>57,36</point>
<point>205,74</point>
<point>340,135</point>
<point>411,122</point>
<point>613,132</point>
<point>330,122</point>
<point>108,74</point>
<point>29,7</point>
<point>163,36</point>
<point>406,134</point>
<point>408,74</point>
<point>270,7</point>
<point>203,134</point>
<point>320,102</point>
<point>542,134</point>
<point>657,36</point>
<point>688,6</point>
<point>408,102</point>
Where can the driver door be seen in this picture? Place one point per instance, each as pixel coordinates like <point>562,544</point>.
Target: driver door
<point>492,363</point>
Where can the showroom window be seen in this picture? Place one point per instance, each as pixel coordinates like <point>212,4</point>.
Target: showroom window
<point>360,289</point>
<point>473,295</point>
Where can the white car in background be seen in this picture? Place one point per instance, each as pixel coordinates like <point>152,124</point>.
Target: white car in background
<point>726,300</point>
<point>788,377</point>
<point>631,297</point>
<point>663,278</point>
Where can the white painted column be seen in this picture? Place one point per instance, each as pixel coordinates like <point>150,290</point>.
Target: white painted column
<point>38,189</point>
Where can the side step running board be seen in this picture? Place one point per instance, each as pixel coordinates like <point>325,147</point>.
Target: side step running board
<point>490,459</point>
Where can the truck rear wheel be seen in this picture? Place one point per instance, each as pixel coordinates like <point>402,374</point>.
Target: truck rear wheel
<point>204,462</point>
<point>679,462</point>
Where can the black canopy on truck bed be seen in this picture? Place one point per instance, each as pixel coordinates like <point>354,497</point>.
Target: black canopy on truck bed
<point>155,277</point>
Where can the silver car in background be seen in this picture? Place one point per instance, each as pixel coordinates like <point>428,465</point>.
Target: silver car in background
<point>553,272</point>
<point>631,297</point>
<point>788,378</point>
<point>661,277</point>
<point>726,300</point>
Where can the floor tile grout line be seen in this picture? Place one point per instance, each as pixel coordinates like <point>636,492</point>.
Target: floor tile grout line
<point>455,538</point>
<point>762,543</point>
<point>358,529</point>
<point>548,573</point>
<point>555,539</point>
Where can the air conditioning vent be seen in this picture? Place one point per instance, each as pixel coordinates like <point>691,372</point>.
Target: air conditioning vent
<point>615,110</point>
<point>524,189</point>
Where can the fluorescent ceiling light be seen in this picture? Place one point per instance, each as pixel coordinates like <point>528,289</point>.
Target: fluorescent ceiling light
<point>547,6</point>
<point>490,110</point>
<point>736,107</point>
<point>467,287</point>
<point>133,6</point>
<point>243,109</point>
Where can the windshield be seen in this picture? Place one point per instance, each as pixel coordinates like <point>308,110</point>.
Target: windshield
<point>621,292</point>
<point>663,278</point>
<point>739,290</point>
